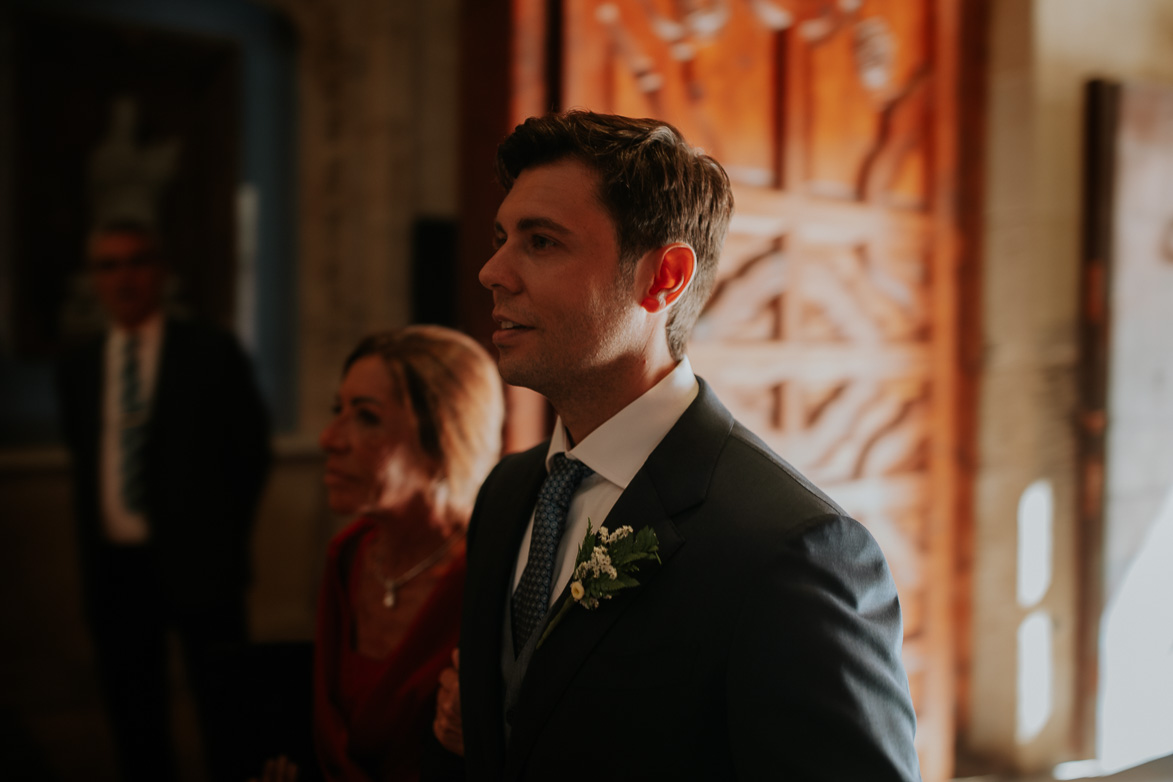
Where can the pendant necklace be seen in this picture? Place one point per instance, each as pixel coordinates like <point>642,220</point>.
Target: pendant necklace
<point>391,585</point>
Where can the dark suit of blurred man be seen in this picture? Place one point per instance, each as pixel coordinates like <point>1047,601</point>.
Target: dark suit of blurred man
<point>170,447</point>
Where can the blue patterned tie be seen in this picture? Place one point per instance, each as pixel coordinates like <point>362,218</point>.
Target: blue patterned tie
<point>532,598</point>
<point>132,436</point>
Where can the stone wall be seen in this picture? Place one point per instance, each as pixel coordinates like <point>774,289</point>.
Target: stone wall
<point>377,149</point>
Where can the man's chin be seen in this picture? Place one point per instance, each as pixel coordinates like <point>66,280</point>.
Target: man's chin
<point>511,375</point>
<point>517,372</point>
<point>131,317</point>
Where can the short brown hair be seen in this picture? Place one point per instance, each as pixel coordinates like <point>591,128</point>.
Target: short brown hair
<point>656,188</point>
<point>451,387</point>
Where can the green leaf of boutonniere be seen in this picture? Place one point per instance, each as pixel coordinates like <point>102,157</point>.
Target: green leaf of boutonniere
<point>606,563</point>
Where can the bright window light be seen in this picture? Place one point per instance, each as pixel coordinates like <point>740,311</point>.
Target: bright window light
<point>1035,515</point>
<point>1078,769</point>
<point>1035,676</point>
<point>1135,714</point>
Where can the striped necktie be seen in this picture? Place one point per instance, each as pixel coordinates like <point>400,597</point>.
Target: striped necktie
<point>532,597</point>
<point>133,429</point>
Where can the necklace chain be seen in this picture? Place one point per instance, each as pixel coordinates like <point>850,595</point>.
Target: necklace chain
<point>391,585</point>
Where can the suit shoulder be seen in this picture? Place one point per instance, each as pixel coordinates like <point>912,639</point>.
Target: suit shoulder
<point>201,348</point>
<point>506,487</point>
<point>513,464</point>
<point>76,368</point>
<point>200,335</point>
<point>510,472</point>
<point>758,465</point>
<point>79,353</point>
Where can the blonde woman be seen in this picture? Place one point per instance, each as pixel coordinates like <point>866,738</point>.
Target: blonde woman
<point>416,427</point>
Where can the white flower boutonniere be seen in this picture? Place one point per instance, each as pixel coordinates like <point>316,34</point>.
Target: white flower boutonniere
<point>606,563</point>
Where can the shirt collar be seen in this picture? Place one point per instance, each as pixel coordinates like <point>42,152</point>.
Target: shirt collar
<point>618,448</point>
<point>148,332</point>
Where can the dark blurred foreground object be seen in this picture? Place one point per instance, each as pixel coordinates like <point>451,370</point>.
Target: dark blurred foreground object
<point>265,696</point>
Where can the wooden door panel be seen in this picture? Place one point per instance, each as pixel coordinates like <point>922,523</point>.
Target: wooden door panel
<point>827,333</point>
<point>701,71</point>
<point>864,108</point>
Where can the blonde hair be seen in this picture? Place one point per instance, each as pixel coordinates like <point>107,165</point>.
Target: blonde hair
<point>451,387</point>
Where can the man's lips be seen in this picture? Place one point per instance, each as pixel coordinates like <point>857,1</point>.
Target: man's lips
<point>507,320</point>
<point>508,330</point>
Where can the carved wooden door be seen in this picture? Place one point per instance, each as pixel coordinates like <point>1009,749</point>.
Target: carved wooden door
<point>830,331</point>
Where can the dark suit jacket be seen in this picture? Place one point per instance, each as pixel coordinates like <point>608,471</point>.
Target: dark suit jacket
<point>766,645</point>
<point>207,456</point>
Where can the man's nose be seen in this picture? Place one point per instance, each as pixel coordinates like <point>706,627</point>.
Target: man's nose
<point>498,271</point>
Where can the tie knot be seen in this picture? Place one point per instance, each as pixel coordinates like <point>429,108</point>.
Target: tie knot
<point>566,474</point>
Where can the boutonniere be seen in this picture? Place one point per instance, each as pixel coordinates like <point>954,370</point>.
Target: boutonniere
<point>606,563</point>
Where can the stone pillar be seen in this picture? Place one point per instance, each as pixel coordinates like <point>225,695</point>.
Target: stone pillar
<point>376,138</point>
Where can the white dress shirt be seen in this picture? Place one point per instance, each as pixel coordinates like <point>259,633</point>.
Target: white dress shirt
<point>616,451</point>
<point>121,525</point>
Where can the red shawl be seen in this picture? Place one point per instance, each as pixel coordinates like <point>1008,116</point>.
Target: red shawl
<point>372,716</point>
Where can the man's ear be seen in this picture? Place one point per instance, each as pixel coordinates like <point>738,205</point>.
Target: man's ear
<point>675,265</point>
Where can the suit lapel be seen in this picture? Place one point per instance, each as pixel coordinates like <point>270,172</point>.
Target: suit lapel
<point>675,478</point>
<point>164,406</point>
<point>493,543</point>
<point>167,381</point>
<point>552,668</point>
<point>505,531</point>
<point>93,395</point>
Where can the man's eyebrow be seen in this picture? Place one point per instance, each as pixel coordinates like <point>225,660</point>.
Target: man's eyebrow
<point>544,223</point>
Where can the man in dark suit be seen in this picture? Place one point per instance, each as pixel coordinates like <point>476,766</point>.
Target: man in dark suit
<point>765,643</point>
<point>170,450</point>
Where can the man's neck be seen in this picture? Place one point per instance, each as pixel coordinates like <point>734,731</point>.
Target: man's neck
<point>588,406</point>
<point>132,326</point>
